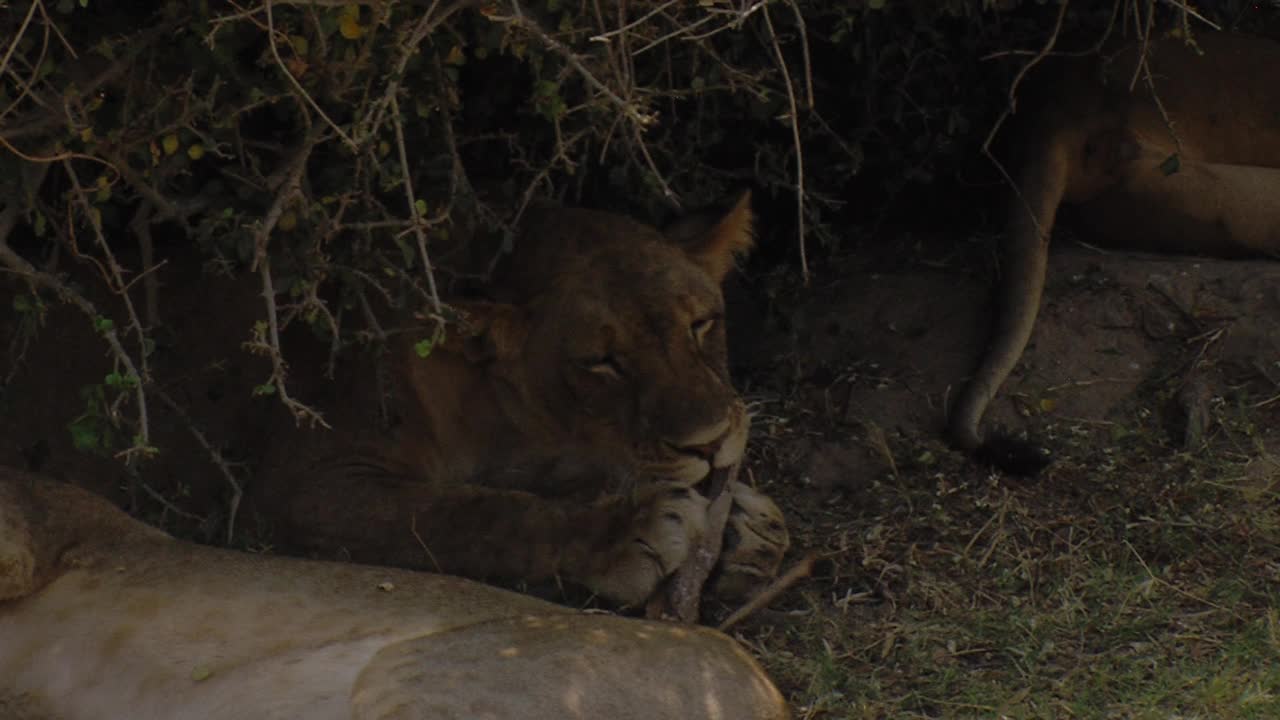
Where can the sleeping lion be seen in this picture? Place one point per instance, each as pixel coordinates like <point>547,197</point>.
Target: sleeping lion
<point>103,618</point>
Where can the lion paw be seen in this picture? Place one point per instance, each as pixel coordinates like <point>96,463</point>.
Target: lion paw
<point>664,531</point>
<point>755,539</point>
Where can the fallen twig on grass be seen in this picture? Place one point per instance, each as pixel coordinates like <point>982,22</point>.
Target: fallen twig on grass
<point>798,572</point>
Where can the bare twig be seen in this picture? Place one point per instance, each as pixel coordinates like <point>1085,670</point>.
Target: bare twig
<point>40,122</point>
<point>56,157</point>
<point>736,18</point>
<point>794,119</point>
<point>1012,107</point>
<point>26,86</point>
<point>22,29</point>
<point>289,183</point>
<point>169,505</point>
<point>604,36</point>
<point>167,208</point>
<point>141,226</point>
<point>237,492</point>
<point>797,572</point>
<point>1145,33</point>
<point>48,21</point>
<point>1145,69</point>
<point>413,528</point>
<point>1184,593</point>
<point>680,31</point>
<point>418,232</point>
<point>804,50</point>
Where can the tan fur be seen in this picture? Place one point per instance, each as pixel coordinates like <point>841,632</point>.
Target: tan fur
<point>120,621</point>
<point>1084,139</point>
<point>560,428</point>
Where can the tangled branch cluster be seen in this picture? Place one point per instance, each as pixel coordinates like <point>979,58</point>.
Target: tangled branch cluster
<point>342,153</point>
<point>325,147</point>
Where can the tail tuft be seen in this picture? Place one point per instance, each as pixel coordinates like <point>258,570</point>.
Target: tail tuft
<point>1013,455</point>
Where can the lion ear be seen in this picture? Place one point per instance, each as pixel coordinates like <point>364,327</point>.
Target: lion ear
<point>712,240</point>
<point>486,331</point>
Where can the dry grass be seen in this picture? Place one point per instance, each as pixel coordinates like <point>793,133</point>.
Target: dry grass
<point>1132,579</point>
<point>1146,591</point>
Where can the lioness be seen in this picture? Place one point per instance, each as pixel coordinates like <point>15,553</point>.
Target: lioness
<point>1204,180</point>
<point>104,617</point>
<point>563,430</point>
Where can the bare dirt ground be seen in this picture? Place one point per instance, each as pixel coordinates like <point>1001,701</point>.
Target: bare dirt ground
<point>1138,576</point>
<point>1135,577</point>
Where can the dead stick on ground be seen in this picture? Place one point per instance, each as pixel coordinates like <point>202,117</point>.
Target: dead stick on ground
<point>798,572</point>
<point>684,590</point>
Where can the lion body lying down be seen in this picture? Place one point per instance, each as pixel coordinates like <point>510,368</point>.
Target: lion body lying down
<point>559,431</point>
<point>104,617</point>
<point>1198,173</point>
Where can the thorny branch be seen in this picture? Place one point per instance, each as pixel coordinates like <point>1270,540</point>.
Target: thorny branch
<point>268,342</point>
<point>16,263</point>
<point>114,276</point>
<point>307,118</point>
<point>297,86</point>
<point>517,18</point>
<point>411,202</point>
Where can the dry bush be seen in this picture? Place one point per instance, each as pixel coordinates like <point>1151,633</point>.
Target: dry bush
<point>334,149</point>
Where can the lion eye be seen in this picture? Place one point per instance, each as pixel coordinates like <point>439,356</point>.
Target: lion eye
<point>700,328</point>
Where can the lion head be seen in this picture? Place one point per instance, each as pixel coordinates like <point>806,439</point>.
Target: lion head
<point>607,334</point>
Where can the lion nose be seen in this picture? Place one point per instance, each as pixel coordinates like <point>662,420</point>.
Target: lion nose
<point>704,443</point>
<point>706,451</point>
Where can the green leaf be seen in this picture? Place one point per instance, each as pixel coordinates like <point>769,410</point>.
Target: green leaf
<point>265,389</point>
<point>120,380</point>
<point>105,49</point>
<point>424,347</point>
<point>421,206</point>
<point>84,434</point>
<point>104,325</point>
<point>1171,164</point>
